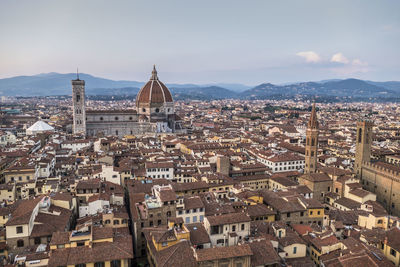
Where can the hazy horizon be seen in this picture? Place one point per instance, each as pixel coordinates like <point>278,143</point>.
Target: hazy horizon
<point>203,42</point>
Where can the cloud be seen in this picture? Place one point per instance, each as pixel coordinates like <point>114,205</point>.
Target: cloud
<point>356,66</point>
<point>309,56</point>
<point>339,58</point>
<point>357,62</point>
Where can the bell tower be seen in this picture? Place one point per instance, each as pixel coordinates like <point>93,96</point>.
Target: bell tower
<point>79,106</point>
<point>311,143</point>
<point>363,145</point>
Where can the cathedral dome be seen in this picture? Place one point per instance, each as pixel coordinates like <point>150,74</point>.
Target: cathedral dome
<point>153,92</point>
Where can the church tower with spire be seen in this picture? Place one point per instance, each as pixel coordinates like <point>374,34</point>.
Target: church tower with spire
<point>311,143</point>
<point>78,106</point>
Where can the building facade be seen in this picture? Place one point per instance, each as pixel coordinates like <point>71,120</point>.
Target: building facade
<point>154,113</point>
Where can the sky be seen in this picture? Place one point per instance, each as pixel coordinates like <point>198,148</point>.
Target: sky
<point>207,41</point>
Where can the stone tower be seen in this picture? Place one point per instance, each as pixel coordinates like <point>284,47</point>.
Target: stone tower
<point>311,142</point>
<point>79,106</point>
<point>223,165</point>
<point>363,145</point>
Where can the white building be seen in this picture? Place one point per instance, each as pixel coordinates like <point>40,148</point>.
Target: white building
<point>227,229</point>
<point>190,209</point>
<point>284,162</point>
<point>39,127</point>
<point>159,170</point>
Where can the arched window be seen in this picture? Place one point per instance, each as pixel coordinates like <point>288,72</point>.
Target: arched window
<point>116,222</point>
<point>313,141</point>
<point>107,222</point>
<point>157,110</point>
<point>168,214</point>
<point>20,243</point>
<point>359,135</point>
<point>143,109</point>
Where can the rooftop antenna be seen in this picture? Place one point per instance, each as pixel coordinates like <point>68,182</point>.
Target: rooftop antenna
<point>77,74</point>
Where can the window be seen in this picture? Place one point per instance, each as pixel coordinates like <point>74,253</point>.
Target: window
<point>215,230</point>
<point>301,213</point>
<point>201,218</point>
<point>99,264</point>
<point>393,252</point>
<point>311,212</point>
<point>101,118</point>
<point>20,243</point>
<point>187,220</point>
<point>158,222</point>
<point>194,219</point>
<point>116,118</point>
<point>130,118</point>
<point>116,263</point>
<point>164,244</point>
<point>288,215</point>
<point>242,227</point>
<point>294,250</point>
<point>80,265</point>
<point>157,110</point>
<point>80,244</point>
<point>107,222</point>
<point>37,241</point>
<point>19,229</point>
<point>116,222</point>
<point>233,228</point>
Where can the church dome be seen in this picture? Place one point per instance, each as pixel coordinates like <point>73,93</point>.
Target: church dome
<point>153,92</point>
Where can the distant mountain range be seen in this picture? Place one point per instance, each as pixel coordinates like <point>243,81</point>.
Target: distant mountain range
<point>60,84</point>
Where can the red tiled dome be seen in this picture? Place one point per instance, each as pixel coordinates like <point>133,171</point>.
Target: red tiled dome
<point>153,91</point>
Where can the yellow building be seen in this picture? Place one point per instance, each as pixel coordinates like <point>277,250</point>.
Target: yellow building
<point>91,246</point>
<point>390,246</point>
<point>323,245</point>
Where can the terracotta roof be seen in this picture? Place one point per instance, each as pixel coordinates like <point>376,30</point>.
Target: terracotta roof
<point>198,234</point>
<point>264,253</point>
<point>216,253</point>
<point>154,91</point>
<point>229,218</point>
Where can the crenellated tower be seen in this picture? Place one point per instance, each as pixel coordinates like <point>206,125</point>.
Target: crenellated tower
<point>312,142</point>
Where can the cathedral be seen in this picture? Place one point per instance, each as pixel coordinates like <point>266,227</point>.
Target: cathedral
<point>155,112</point>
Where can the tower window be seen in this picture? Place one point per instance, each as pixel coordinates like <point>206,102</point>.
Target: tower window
<point>157,110</point>
<point>359,135</point>
<point>312,141</point>
<point>116,118</point>
<point>78,97</point>
<point>143,109</point>
<point>116,132</point>
<point>130,118</point>
<point>101,118</point>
